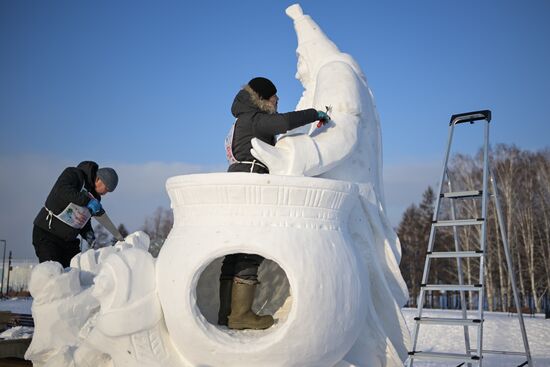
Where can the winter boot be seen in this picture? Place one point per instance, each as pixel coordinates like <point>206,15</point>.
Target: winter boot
<point>226,286</point>
<point>242,317</point>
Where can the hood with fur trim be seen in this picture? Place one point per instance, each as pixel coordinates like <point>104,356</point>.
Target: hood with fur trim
<point>249,101</point>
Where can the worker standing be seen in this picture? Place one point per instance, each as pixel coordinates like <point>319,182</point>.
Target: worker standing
<point>255,108</point>
<point>73,200</point>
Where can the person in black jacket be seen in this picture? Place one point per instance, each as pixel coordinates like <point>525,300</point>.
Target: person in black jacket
<point>255,108</point>
<point>73,200</point>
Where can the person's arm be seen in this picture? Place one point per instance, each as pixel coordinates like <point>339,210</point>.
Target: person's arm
<point>339,87</point>
<point>279,123</point>
<point>69,186</point>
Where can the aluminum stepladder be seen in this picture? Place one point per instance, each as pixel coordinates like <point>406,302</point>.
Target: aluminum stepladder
<point>472,356</point>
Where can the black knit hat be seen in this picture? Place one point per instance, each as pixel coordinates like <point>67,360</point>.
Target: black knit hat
<point>263,86</point>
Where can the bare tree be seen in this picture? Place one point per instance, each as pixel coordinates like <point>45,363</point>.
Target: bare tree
<point>523,180</point>
<point>102,237</point>
<point>158,227</point>
<point>122,229</point>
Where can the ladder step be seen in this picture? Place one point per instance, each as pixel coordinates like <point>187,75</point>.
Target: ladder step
<point>457,222</point>
<point>447,321</point>
<point>444,356</point>
<point>454,254</point>
<point>462,194</point>
<point>505,352</point>
<point>470,117</point>
<point>452,287</point>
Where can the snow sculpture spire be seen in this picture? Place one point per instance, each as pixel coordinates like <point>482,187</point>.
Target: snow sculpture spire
<point>308,32</point>
<point>313,45</point>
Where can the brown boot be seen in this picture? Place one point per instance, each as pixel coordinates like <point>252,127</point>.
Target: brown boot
<point>226,286</point>
<point>242,317</point>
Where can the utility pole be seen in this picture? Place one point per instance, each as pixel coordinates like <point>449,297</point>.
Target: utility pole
<point>3,269</point>
<point>9,271</point>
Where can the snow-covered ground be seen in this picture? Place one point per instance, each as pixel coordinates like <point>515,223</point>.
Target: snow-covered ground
<point>501,332</point>
<point>16,305</point>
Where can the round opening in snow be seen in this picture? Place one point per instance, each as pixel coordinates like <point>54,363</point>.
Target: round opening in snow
<point>272,294</point>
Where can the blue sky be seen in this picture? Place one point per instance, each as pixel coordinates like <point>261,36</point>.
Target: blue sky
<point>146,87</point>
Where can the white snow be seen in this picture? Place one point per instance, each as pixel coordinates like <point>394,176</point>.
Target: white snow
<point>501,332</point>
<point>17,332</point>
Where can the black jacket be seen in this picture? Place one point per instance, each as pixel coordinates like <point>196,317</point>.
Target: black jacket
<point>255,120</point>
<point>68,189</point>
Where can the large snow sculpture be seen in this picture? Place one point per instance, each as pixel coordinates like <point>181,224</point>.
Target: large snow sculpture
<point>348,148</point>
<point>301,224</point>
<point>330,277</point>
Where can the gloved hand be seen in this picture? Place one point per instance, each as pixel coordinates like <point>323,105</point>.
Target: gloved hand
<point>323,118</point>
<point>95,207</point>
<point>89,237</point>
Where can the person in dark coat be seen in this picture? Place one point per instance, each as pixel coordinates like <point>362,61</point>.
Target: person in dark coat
<point>73,200</point>
<point>255,108</point>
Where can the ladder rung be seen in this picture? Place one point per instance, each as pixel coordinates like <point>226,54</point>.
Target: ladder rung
<point>452,287</point>
<point>489,351</point>
<point>454,254</point>
<point>457,222</point>
<point>444,356</point>
<point>462,194</point>
<point>447,321</point>
<point>470,117</point>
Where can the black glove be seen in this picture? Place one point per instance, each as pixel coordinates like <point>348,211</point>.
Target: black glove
<point>89,237</point>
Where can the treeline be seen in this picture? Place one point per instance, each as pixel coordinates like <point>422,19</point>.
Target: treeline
<point>523,185</point>
<point>157,226</point>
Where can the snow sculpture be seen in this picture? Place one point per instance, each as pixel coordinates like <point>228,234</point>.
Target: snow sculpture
<point>348,148</point>
<point>103,311</point>
<point>330,278</point>
<point>298,222</point>
<point>129,326</point>
<point>61,308</point>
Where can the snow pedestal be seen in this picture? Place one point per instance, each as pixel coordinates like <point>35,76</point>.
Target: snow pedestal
<point>298,223</point>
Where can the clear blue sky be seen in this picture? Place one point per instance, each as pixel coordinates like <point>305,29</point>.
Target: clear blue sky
<point>128,83</point>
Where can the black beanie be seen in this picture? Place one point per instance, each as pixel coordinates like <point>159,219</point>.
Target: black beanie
<point>263,86</point>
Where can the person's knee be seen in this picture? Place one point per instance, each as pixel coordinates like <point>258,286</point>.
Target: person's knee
<point>244,266</point>
<point>228,266</point>
<point>46,252</point>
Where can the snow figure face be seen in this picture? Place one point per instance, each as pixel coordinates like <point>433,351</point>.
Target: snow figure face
<point>314,50</point>
<point>302,70</point>
<point>314,47</point>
